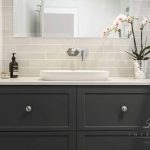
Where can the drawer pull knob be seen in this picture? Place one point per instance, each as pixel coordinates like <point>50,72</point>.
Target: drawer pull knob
<point>28,108</point>
<point>124,108</point>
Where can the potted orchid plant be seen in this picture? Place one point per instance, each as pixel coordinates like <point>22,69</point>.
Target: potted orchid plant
<point>140,57</point>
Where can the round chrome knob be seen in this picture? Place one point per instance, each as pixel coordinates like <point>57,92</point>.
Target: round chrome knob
<point>28,108</point>
<point>124,108</point>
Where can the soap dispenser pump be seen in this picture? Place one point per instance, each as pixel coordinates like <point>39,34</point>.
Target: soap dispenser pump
<point>13,67</point>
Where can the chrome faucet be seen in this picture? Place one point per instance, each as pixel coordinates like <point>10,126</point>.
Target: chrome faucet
<point>73,52</point>
<point>82,54</point>
<point>77,51</point>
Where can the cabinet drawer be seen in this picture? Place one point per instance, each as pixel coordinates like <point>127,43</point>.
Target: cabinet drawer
<point>97,141</point>
<point>113,108</point>
<point>38,141</point>
<point>37,108</point>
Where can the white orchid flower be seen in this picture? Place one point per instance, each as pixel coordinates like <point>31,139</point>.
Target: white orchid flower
<point>121,18</point>
<point>130,19</point>
<point>109,28</point>
<point>116,23</point>
<point>105,34</point>
<point>116,27</point>
<point>145,22</point>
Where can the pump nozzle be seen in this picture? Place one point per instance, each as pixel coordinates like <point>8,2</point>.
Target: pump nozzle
<point>14,54</point>
<point>13,57</point>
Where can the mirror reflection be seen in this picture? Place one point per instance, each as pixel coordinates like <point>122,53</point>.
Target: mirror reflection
<point>67,18</point>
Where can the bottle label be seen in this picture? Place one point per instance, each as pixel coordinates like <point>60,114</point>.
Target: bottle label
<point>15,73</point>
<point>15,70</point>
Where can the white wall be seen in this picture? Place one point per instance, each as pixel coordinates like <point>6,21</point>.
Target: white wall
<point>35,54</point>
<point>93,16</point>
<point>26,20</point>
<point>101,12</point>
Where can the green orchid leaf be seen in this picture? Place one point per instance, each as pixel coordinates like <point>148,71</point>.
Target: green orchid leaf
<point>147,53</point>
<point>135,53</point>
<point>143,51</point>
<point>146,58</point>
<point>134,56</point>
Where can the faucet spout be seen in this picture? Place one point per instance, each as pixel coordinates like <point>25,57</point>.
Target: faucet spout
<point>82,54</point>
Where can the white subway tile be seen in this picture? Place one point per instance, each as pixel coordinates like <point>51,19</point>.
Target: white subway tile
<point>49,41</point>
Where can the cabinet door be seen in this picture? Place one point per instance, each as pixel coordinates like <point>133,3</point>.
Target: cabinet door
<point>37,108</point>
<point>37,141</point>
<point>97,141</point>
<point>113,107</point>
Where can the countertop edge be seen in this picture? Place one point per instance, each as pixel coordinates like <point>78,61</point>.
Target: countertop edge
<point>38,81</point>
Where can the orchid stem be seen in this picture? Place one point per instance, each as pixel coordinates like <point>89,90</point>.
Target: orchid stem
<point>141,39</point>
<point>146,41</point>
<point>135,46</point>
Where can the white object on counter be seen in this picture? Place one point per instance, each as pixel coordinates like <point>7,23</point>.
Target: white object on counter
<point>140,69</point>
<point>4,75</point>
<point>74,75</point>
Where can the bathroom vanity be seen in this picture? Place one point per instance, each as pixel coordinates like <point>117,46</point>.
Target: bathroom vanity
<point>74,117</point>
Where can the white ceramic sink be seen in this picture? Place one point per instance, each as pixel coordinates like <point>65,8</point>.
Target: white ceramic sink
<point>74,75</point>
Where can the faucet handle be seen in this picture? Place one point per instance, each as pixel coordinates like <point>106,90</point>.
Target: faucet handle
<point>72,52</point>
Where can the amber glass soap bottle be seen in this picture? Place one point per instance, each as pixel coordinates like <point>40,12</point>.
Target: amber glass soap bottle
<point>13,67</point>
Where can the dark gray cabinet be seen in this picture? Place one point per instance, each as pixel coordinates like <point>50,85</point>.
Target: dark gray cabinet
<point>38,141</point>
<point>113,108</point>
<point>105,141</point>
<point>37,108</point>
<point>38,117</point>
<point>74,117</point>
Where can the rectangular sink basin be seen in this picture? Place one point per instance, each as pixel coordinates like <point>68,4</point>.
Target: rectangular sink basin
<point>74,75</point>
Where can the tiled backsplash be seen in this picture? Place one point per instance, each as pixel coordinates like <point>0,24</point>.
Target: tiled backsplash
<point>34,54</point>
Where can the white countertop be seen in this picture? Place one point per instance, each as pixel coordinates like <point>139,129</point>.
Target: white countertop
<point>38,81</point>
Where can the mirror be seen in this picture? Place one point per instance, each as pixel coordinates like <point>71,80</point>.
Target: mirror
<point>66,18</point>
